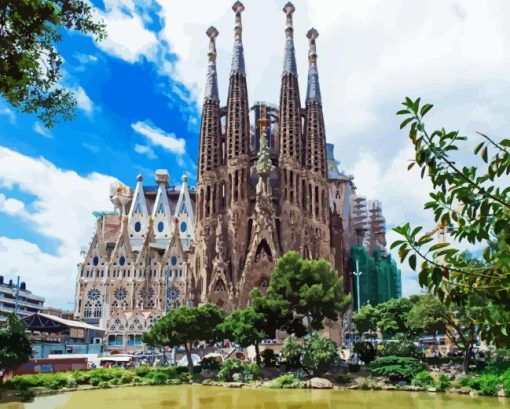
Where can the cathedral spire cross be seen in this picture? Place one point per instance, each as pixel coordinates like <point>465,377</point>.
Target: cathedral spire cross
<point>313,91</point>
<point>238,54</point>
<point>211,86</point>
<point>289,63</point>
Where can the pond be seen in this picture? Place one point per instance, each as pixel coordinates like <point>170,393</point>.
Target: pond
<point>209,397</point>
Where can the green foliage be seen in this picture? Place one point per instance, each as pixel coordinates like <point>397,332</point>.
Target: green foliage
<point>400,346</point>
<point>104,385</point>
<point>422,379</point>
<point>396,367</point>
<point>186,326</point>
<point>366,351</point>
<point>26,395</point>
<point>442,383</point>
<point>343,379</point>
<point>320,354</point>
<point>366,319</point>
<point>292,350</point>
<point>210,363</point>
<point>15,348</point>
<point>30,64</point>
<point>366,384</point>
<point>285,381</point>
<point>310,289</point>
<point>472,202</point>
<point>234,370</point>
<point>268,358</point>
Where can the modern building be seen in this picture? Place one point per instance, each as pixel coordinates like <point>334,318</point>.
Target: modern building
<point>19,299</point>
<point>267,183</point>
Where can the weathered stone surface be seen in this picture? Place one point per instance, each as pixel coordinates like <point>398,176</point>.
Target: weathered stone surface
<point>233,384</point>
<point>320,383</point>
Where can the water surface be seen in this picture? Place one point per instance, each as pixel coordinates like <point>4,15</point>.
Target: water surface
<point>209,397</point>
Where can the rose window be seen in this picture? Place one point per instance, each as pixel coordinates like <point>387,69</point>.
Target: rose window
<point>93,294</point>
<point>120,293</point>
<point>173,294</point>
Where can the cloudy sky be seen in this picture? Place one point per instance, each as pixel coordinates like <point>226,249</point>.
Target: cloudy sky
<point>139,95</point>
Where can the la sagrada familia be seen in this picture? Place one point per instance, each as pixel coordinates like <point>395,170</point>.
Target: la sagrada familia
<point>267,183</point>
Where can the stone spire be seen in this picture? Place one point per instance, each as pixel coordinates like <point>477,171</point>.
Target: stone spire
<point>211,85</point>
<point>313,90</point>
<point>315,134</point>
<point>289,62</point>
<point>238,53</point>
<point>238,127</point>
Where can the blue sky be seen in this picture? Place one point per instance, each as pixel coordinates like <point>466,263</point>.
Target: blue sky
<point>139,95</point>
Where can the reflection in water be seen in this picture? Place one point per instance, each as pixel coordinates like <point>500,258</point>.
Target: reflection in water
<point>209,397</point>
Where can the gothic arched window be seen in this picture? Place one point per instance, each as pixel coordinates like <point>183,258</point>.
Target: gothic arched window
<point>88,310</point>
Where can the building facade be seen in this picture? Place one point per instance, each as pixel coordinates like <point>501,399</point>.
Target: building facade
<point>267,183</point>
<point>17,298</point>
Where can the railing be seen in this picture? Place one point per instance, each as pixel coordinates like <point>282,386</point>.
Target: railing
<point>115,343</point>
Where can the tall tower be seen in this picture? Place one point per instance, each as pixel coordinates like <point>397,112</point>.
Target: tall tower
<point>238,163</point>
<point>290,156</point>
<point>207,186</point>
<point>315,160</point>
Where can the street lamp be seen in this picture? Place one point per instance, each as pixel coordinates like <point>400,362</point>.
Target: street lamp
<point>357,274</point>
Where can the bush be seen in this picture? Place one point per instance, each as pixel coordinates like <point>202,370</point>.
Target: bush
<point>367,384</point>
<point>489,385</point>
<point>211,363</point>
<point>285,381</point>
<point>22,382</point>
<point>343,379</point>
<point>320,354</point>
<point>81,377</point>
<point>104,385</point>
<point>26,396</point>
<point>365,351</point>
<point>400,347</point>
<point>292,351</point>
<point>396,367</point>
<point>473,382</point>
<point>422,379</point>
<point>268,358</point>
<point>142,371</point>
<point>442,383</point>
<point>234,370</point>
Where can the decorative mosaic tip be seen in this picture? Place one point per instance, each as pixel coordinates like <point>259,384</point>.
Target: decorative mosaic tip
<point>184,178</point>
<point>312,34</point>
<point>139,178</point>
<point>289,9</point>
<point>238,7</point>
<point>212,33</point>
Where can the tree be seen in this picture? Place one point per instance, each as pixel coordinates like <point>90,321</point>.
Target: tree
<point>392,317</point>
<point>309,289</point>
<point>15,348</point>
<point>473,203</point>
<point>366,319</point>
<point>292,350</point>
<point>245,327</point>
<point>187,326</point>
<point>320,353</point>
<point>30,65</point>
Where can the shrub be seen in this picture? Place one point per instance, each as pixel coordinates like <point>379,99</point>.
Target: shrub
<point>211,363</point>
<point>489,385</point>
<point>285,381</point>
<point>422,379</point>
<point>127,377</point>
<point>157,378</point>
<point>396,367</point>
<point>104,385</point>
<point>81,377</point>
<point>26,395</point>
<point>235,370</point>
<point>268,358</point>
<point>292,351</point>
<point>343,379</point>
<point>442,383</point>
<point>142,371</point>
<point>366,384</point>
<point>22,382</point>
<point>473,382</point>
<point>320,354</point>
<point>400,347</point>
<point>174,381</point>
<point>365,351</point>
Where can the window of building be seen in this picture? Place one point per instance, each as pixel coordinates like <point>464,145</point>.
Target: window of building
<point>161,226</point>
<point>138,226</point>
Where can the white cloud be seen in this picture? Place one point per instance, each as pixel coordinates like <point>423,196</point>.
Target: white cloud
<point>9,113</point>
<point>83,101</point>
<point>158,137</point>
<point>60,211</point>
<point>90,147</point>
<point>145,150</point>
<point>127,37</point>
<point>85,58</point>
<point>11,206</point>
<point>41,130</point>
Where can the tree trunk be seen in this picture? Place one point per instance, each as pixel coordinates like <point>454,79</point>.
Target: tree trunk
<point>467,358</point>
<point>257,353</point>
<point>188,355</point>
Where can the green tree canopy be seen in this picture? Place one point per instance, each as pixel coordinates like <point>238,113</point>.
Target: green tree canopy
<point>30,64</point>
<point>245,327</point>
<point>472,203</point>
<point>187,326</point>
<point>15,348</point>
<point>310,289</point>
<point>366,319</point>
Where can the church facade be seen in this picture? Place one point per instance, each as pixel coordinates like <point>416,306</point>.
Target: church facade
<point>267,183</point>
